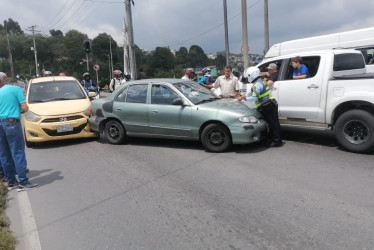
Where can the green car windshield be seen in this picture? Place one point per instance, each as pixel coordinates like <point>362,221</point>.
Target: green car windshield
<point>195,92</point>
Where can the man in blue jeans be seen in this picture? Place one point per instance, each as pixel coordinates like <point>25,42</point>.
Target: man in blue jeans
<point>12,143</point>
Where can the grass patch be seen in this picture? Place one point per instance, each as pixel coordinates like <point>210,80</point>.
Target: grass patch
<point>7,239</point>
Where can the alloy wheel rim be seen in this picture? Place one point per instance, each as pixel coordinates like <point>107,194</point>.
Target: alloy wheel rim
<point>217,137</point>
<point>356,132</point>
<point>113,131</point>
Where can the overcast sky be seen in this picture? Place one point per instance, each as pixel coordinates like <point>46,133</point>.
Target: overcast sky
<point>177,23</point>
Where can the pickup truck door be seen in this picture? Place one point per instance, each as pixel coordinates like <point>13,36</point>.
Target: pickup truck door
<point>300,98</point>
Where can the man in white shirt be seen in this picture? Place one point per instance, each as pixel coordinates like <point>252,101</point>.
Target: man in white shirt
<point>228,83</point>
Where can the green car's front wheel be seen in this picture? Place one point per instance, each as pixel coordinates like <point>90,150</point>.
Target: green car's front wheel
<point>216,138</point>
<point>115,132</point>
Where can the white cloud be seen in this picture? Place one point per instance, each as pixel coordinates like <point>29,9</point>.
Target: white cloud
<point>167,22</point>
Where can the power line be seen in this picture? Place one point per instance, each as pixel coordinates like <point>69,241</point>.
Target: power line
<point>88,12</point>
<point>101,1</point>
<point>211,29</point>
<point>72,16</point>
<point>63,15</point>
<point>58,12</point>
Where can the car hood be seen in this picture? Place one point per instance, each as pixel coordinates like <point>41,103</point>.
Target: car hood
<point>60,107</point>
<point>231,105</point>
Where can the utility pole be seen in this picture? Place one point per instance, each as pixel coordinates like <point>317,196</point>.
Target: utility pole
<point>131,39</point>
<point>266,22</point>
<point>32,28</point>
<point>245,35</point>
<point>111,57</point>
<point>125,48</point>
<point>226,32</point>
<point>10,54</point>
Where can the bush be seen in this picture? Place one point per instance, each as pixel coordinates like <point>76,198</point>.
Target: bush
<point>7,239</point>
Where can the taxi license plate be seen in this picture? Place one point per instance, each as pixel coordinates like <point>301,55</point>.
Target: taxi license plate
<point>64,128</point>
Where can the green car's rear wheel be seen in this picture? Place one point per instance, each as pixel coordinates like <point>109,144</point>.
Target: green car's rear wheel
<point>115,132</point>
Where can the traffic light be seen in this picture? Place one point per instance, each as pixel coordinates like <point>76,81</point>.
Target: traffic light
<point>87,46</point>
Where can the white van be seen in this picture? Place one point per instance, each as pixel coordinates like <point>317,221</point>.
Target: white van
<point>360,39</point>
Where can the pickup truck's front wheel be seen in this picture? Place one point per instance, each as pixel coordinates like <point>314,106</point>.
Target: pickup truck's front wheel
<point>354,131</point>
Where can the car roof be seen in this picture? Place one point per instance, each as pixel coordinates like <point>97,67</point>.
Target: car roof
<point>158,80</point>
<point>52,79</point>
<point>311,53</point>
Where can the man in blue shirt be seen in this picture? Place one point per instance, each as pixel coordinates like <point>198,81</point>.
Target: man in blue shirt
<point>12,142</point>
<point>300,70</point>
<point>206,79</point>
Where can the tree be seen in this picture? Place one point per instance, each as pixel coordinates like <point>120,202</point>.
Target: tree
<point>220,61</point>
<point>101,46</point>
<point>74,52</point>
<point>197,57</point>
<point>161,61</point>
<point>182,57</point>
<point>11,27</point>
<point>56,33</point>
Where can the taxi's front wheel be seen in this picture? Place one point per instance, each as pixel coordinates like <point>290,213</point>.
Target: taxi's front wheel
<point>115,132</point>
<point>29,144</point>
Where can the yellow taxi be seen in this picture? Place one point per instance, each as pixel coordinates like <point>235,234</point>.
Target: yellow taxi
<point>58,109</point>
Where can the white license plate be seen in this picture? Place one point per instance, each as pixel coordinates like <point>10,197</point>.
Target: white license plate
<point>64,128</point>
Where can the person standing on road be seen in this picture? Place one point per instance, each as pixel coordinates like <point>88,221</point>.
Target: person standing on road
<point>266,104</point>
<point>190,74</point>
<point>228,83</point>
<point>12,143</point>
<point>88,84</point>
<point>116,81</point>
<point>206,79</point>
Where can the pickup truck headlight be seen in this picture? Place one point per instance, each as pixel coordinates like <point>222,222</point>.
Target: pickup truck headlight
<point>32,117</point>
<point>248,119</point>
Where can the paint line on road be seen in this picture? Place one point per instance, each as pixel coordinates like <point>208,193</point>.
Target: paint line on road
<point>31,235</point>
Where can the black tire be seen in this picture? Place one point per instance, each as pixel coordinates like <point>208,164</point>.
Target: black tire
<point>115,132</point>
<point>29,144</point>
<point>216,138</point>
<point>354,131</point>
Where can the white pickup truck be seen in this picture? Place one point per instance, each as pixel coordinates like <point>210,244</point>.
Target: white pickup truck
<point>339,95</point>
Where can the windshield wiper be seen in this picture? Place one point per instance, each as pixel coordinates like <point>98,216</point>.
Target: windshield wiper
<point>59,99</point>
<point>207,100</point>
<point>34,101</point>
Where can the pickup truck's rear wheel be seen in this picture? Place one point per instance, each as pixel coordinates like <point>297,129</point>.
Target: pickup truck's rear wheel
<point>354,131</point>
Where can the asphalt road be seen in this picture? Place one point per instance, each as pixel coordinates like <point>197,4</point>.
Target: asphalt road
<point>162,194</point>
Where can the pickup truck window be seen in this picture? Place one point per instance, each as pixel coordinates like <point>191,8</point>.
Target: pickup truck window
<point>311,62</point>
<point>348,61</point>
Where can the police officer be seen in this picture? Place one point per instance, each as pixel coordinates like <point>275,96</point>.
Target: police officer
<point>265,102</point>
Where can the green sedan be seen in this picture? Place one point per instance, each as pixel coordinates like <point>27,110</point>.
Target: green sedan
<point>175,109</point>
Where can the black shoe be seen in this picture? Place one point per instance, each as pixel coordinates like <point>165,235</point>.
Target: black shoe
<point>276,144</point>
<point>27,187</point>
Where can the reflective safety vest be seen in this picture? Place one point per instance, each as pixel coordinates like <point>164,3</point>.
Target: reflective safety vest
<point>264,95</point>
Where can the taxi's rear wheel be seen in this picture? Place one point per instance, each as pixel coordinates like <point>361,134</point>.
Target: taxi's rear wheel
<point>115,132</point>
<point>216,138</point>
